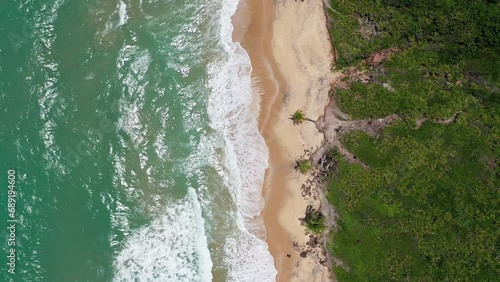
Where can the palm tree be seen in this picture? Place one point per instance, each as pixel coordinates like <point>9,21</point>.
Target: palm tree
<point>314,220</point>
<point>303,166</point>
<point>298,117</point>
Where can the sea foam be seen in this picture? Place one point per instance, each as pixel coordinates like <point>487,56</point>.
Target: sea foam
<point>171,248</point>
<point>245,154</point>
<point>122,13</point>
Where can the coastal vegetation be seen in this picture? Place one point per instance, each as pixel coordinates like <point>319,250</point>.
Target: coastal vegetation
<point>314,220</point>
<point>421,202</point>
<point>303,166</point>
<point>298,117</point>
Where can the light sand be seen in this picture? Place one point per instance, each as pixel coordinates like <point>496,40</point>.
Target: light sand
<point>289,47</point>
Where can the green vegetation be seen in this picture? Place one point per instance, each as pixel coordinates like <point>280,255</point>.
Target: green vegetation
<point>314,220</point>
<point>298,117</point>
<point>426,208</point>
<point>303,166</point>
<point>453,29</point>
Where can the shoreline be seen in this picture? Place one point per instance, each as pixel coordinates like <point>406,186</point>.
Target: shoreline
<point>290,51</point>
<point>253,22</point>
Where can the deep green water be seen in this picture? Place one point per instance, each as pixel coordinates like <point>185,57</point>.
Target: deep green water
<point>135,154</point>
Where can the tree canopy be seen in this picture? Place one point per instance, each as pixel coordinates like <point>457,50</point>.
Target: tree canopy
<point>426,208</point>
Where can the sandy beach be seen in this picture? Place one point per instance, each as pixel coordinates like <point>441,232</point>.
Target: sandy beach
<point>291,55</point>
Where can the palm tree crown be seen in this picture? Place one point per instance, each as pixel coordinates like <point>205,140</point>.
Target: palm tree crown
<point>298,117</point>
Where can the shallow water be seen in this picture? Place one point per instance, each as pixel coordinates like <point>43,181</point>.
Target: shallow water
<point>137,157</point>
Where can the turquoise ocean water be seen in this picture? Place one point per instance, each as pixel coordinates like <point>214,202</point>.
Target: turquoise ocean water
<point>126,131</point>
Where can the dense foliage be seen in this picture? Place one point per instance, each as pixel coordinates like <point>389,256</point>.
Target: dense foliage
<point>427,206</point>
<point>455,29</point>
